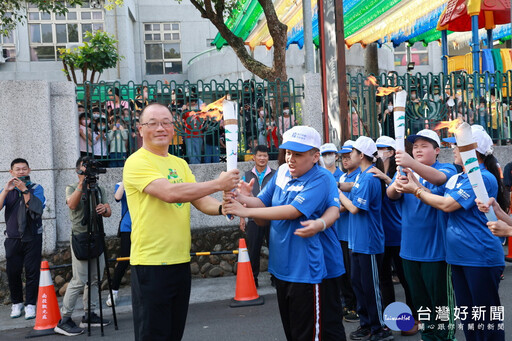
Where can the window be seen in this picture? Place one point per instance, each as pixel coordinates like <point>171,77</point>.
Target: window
<point>49,32</point>
<point>8,47</point>
<point>419,54</point>
<point>162,48</point>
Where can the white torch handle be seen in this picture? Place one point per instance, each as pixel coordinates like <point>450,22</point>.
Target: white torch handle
<point>400,99</point>
<point>464,138</point>
<point>231,130</point>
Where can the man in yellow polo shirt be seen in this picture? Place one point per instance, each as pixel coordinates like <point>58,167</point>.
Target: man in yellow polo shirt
<point>159,189</point>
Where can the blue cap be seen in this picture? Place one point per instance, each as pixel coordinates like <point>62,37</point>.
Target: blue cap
<point>345,150</point>
<point>450,139</point>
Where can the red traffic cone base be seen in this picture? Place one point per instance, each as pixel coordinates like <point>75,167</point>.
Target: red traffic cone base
<point>245,293</point>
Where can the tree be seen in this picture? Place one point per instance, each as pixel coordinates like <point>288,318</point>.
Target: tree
<point>13,11</point>
<point>98,53</point>
<point>217,10</point>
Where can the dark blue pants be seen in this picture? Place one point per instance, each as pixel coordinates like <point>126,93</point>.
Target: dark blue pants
<point>365,282</point>
<point>20,254</point>
<point>349,297</point>
<point>478,287</point>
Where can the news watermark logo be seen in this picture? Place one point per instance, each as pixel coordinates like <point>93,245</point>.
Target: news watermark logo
<point>398,317</point>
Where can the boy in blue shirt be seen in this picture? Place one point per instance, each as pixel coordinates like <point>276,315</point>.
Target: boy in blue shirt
<point>299,191</point>
<point>423,233</point>
<point>345,183</point>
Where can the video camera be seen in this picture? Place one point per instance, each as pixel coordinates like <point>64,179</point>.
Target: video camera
<point>92,169</point>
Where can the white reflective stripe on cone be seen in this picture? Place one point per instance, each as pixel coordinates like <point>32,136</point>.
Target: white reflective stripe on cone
<point>243,256</point>
<point>45,279</point>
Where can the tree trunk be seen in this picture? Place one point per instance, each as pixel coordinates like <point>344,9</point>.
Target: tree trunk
<point>371,59</point>
<point>213,11</point>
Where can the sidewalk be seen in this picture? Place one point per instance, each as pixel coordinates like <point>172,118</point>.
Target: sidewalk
<point>203,290</point>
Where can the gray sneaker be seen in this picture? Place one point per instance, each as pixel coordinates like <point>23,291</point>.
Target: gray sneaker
<point>68,327</point>
<point>95,321</point>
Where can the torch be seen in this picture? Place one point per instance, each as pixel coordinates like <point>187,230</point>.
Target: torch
<point>467,146</point>
<point>229,109</point>
<point>399,99</point>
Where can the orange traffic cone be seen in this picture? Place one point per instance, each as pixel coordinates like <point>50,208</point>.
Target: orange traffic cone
<point>47,312</point>
<point>508,257</point>
<point>245,293</point>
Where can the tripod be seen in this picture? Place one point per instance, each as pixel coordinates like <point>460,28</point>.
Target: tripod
<point>96,233</point>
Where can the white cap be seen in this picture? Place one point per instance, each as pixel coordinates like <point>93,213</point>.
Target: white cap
<point>482,139</point>
<point>328,148</point>
<point>385,141</point>
<point>366,146</point>
<point>347,147</point>
<point>301,139</point>
<point>426,134</point>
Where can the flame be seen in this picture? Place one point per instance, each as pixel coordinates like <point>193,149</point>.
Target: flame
<point>371,80</point>
<point>451,125</point>
<point>387,91</point>
<point>213,110</point>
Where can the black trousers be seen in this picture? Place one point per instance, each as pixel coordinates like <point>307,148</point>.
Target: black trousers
<point>20,254</point>
<point>365,281</point>
<point>349,297</point>
<point>299,306</point>
<point>255,235</point>
<point>122,266</point>
<point>392,258</point>
<point>331,311</point>
<point>160,296</point>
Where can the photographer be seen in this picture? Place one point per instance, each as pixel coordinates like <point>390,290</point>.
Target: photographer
<point>24,203</point>
<point>78,282</point>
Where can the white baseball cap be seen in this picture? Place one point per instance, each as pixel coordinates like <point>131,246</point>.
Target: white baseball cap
<point>347,147</point>
<point>366,146</point>
<point>328,148</point>
<point>301,139</point>
<point>385,142</point>
<point>480,136</point>
<point>425,134</point>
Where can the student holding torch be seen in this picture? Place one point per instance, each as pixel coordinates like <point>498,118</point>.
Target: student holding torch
<point>475,255</point>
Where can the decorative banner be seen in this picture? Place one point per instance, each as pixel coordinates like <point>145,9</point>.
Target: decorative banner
<point>230,110</point>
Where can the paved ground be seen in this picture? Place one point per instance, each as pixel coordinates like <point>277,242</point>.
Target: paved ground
<point>211,318</point>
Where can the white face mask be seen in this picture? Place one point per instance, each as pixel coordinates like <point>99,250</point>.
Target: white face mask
<point>390,107</point>
<point>413,96</point>
<point>262,113</point>
<point>286,111</point>
<point>329,160</point>
<point>382,156</point>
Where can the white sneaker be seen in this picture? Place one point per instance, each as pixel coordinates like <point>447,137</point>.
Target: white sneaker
<point>109,300</point>
<point>30,311</point>
<point>16,310</point>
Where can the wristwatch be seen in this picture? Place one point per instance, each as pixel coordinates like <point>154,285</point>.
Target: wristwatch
<point>25,191</point>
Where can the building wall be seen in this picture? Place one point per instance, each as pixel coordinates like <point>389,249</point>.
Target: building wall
<point>127,24</point>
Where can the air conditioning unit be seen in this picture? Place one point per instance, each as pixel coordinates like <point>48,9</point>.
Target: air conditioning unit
<point>2,57</point>
<point>73,45</point>
<point>96,4</point>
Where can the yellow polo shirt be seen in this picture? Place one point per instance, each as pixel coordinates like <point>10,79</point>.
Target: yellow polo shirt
<point>160,231</point>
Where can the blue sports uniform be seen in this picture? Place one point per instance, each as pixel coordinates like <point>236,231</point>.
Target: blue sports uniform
<point>423,227</point>
<point>365,228</point>
<point>366,239</point>
<point>423,252</point>
<point>342,222</point>
<point>293,258</point>
<point>476,255</point>
<point>126,222</point>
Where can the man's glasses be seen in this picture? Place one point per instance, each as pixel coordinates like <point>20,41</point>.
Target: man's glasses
<point>153,124</point>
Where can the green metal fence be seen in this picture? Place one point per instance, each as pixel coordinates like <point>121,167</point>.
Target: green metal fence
<point>111,111</point>
<point>477,98</point>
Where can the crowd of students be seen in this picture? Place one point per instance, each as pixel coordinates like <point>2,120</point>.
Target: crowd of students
<point>404,214</point>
